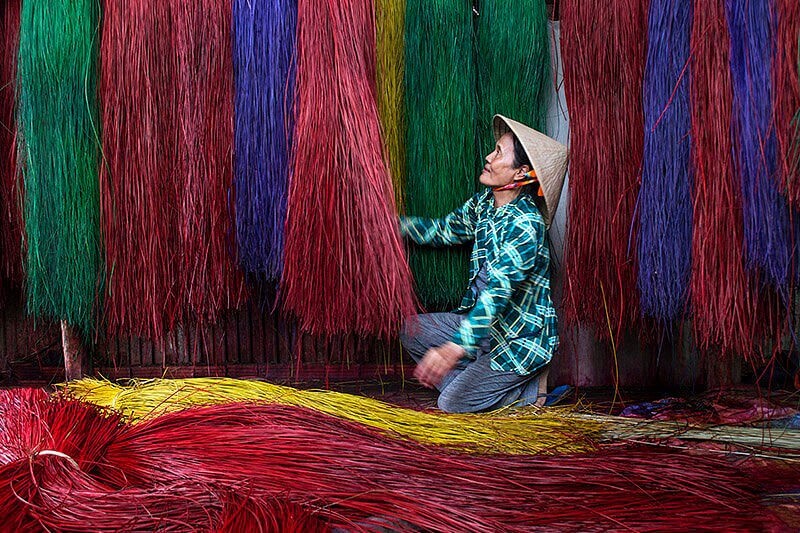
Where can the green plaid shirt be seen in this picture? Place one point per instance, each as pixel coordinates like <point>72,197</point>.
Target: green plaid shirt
<point>514,311</point>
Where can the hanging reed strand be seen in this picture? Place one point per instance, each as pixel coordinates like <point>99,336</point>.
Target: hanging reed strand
<point>767,224</point>
<point>603,47</point>
<point>58,151</point>
<point>441,137</point>
<point>263,56</point>
<point>10,187</point>
<point>390,16</point>
<point>345,269</point>
<point>513,65</point>
<point>557,431</point>
<point>721,299</point>
<point>665,203</point>
<point>786,96</point>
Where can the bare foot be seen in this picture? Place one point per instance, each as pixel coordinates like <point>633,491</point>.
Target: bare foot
<point>542,395</point>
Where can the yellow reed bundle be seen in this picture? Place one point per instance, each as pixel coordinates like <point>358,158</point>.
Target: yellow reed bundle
<point>390,18</point>
<point>521,431</point>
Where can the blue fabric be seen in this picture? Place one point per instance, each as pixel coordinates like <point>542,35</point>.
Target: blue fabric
<point>473,386</point>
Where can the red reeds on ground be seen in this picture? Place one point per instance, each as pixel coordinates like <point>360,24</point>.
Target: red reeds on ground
<point>77,468</point>
<point>721,301</point>
<point>166,92</point>
<point>603,48</point>
<point>345,269</point>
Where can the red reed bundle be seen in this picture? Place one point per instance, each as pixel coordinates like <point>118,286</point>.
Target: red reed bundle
<point>786,96</point>
<point>77,471</point>
<point>722,298</point>
<point>344,267</point>
<point>138,182</point>
<point>10,211</point>
<point>209,279</point>
<point>603,48</point>
<point>167,111</point>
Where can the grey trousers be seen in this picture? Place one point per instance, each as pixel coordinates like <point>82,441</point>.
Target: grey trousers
<point>473,386</point>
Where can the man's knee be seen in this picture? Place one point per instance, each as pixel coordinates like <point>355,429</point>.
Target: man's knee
<point>450,401</point>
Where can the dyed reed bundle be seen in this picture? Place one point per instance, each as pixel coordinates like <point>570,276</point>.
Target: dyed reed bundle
<point>345,269</point>
<point>513,65</point>
<point>786,96</point>
<point>603,48</point>
<point>665,202</point>
<point>208,278</point>
<point>721,299</point>
<point>767,224</point>
<point>557,431</point>
<point>263,57</point>
<point>139,180</point>
<point>390,16</point>
<point>167,138</point>
<point>440,142</point>
<point>10,210</point>
<point>58,140</point>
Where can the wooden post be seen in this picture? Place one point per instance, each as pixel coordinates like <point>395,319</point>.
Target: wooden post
<point>73,352</point>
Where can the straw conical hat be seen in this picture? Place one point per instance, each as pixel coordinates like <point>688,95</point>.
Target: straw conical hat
<point>548,157</point>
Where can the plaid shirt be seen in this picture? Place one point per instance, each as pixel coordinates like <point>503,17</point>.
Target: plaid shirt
<point>514,311</point>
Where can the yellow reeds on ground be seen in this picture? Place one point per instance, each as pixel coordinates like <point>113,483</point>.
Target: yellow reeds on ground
<point>511,431</point>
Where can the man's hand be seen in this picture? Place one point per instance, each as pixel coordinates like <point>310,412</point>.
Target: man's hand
<point>437,363</point>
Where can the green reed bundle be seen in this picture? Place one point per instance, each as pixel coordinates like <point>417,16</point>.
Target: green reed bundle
<point>513,65</point>
<point>58,153</point>
<point>440,149</point>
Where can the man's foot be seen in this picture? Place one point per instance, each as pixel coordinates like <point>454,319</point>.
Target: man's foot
<point>541,396</point>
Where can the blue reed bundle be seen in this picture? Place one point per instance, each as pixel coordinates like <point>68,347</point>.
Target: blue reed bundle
<point>665,202</point>
<point>263,54</point>
<point>767,223</point>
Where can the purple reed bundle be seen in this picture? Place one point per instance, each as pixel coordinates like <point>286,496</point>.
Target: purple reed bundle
<point>603,47</point>
<point>768,229</point>
<point>665,202</point>
<point>10,184</point>
<point>722,302</point>
<point>263,60</point>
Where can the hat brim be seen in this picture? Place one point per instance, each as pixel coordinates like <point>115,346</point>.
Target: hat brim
<point>547,156</point>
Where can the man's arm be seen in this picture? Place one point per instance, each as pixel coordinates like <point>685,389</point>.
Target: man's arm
<point>456,228</point>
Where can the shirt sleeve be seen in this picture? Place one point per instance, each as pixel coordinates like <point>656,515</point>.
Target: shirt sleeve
<point>515,257</point>
<point>456,228</point>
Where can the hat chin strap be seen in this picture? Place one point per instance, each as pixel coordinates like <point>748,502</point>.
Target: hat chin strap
<point>527,179</point>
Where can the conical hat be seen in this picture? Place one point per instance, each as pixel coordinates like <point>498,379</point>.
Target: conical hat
<point>548,157</point>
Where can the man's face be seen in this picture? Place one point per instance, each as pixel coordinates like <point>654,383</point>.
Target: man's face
<point>499,169</point>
